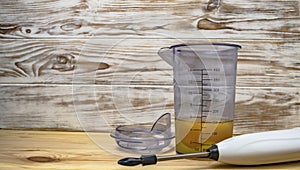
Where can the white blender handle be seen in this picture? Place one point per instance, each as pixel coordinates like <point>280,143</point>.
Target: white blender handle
<point>261,148</point>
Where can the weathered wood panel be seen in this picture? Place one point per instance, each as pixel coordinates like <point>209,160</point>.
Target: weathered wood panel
<point>261,63</point>
<point>46,46</point>
<point>177,18</point>
<point>75,150</point>
<point>95,107</point>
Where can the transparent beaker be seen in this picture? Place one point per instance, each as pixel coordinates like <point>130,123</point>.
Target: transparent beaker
<point>204,93</point>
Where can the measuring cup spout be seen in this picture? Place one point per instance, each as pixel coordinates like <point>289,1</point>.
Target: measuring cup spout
<point>166,54</point>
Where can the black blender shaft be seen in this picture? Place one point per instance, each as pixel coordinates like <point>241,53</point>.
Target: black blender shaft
<point>211,153</point>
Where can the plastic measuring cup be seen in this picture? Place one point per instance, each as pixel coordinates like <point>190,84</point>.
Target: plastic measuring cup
<point>204,93</point>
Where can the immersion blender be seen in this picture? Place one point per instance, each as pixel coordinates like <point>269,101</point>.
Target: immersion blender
<point>249,149</point>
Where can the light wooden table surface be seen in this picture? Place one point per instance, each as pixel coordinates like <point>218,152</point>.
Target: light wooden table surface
<point>75,150</point>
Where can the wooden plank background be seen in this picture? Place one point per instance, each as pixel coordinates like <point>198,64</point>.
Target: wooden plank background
<point>234,19</point>
<point>97,60</point>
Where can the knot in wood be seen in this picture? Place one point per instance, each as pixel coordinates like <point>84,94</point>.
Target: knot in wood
<point>63,62</point>
<point>103,66</point>
<point>213,4</point>
<point>71,26</point>
<point>62,59</point>
<point>208,24</point>
<point>43,159</point>
<point>29,30</point>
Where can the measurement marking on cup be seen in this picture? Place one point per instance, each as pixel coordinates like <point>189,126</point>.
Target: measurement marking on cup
<point>196,69</point>
<point>195,81</point>
<point>202,74</point>
<point>204,91</point>
<point>212,90</point>
<point>199,93</point>
<point>203,105</point>
<point>200,82</point>
<point>195,117</point>
<point>206,111</point>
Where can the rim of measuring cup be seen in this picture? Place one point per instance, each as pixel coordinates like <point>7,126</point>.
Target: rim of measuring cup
<point>191,44</point>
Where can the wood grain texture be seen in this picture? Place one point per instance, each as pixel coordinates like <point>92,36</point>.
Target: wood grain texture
<point>98,58</point>
<point>75,150</point>
<point>261,63</point>
<point>177,18</point>
<point>102,107</point>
